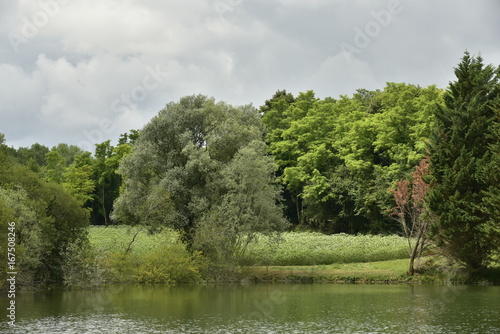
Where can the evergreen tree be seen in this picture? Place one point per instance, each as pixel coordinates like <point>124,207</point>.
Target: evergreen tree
<point>462,165</point>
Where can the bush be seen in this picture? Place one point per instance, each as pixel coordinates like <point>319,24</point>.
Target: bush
<point>153,258</point>
<point>170,264</point>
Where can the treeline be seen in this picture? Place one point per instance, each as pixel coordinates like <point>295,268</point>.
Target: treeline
<point>337,158</point>
<point>91,177</point>
<point>52,195</point>
<point>220,174</point>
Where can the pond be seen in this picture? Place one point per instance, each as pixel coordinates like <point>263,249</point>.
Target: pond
<point>260,308</point>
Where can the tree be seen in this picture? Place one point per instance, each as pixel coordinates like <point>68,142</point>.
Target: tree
<point>78,179</point>
<point>463,166</point>
<point>338,157</point>
<point>492,178</point>
<point>192,161</point>
<point>68,152</point>
<point>33,157</point>
<point>410,211</point>
<point>48,219</point>
<point>56,165</point>
<point>247,205</point>
<point>108,182</point>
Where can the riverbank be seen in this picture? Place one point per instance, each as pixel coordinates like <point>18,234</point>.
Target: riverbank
<point>124,255</point>
<point>380,272</point>
<point>393,271</point>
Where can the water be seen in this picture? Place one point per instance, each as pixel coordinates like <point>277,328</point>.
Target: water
<point>261,308</point>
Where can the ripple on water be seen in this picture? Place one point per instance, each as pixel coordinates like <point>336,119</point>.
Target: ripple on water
<point>118,324</point>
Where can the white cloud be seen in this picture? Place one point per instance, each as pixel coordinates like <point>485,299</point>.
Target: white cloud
<point>88,72</point>
<point>337,76</point>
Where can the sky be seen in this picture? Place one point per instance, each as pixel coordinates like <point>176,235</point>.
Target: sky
<point>84,71</point>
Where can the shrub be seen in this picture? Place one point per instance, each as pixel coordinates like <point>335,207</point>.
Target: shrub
<point>153,258</point>
<point>169,264</point>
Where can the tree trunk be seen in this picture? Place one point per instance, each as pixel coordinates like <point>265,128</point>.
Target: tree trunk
<point>104,208</point>
<point>414,253</point>
<point>411,268</point>
<point>133,239</point>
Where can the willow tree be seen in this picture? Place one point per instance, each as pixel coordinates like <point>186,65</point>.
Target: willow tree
<point>201,167</point>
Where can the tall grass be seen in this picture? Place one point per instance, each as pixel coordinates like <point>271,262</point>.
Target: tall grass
<point>116,239</point>
<point>307,248</point>
<point>293,248</point>
<point>151,258</point>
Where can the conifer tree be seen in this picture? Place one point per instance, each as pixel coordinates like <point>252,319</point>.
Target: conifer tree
<point>463,165</point>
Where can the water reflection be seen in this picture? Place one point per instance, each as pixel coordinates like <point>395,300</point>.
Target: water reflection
<point>263,308</point>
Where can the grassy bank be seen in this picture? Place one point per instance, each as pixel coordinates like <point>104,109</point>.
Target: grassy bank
<point>309,248</point>
<point>298,257</point>
<point>303,256</point>
<point>391,271</point>
<point>291,249</point>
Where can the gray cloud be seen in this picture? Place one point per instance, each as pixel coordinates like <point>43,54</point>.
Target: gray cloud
<point>80,71</point>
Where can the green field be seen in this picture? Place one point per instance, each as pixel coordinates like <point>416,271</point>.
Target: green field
<point>309,248</point>
<point>116,239</point>
<point>298,256</point>
<point>294,248</point>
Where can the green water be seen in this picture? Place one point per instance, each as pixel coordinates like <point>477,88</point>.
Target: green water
<point>261,308</point>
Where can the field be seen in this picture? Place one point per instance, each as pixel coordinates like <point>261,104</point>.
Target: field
<point>294,248</point>
<point>116,239</point>
<point>308,248</point>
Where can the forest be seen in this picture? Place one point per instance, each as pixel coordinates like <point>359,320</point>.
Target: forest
<point>419,162</point>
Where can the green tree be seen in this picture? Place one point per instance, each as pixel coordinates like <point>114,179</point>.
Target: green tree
<point>491,176</point>
<point>47,218</point>
<point>465,168</point>
<point>56,166</point>
<point>246,205</point>
<point>33,157</point>
<point>187,161</point>
<point>78,179</point>
<point>68,152</point>
<point>108,182</point>
<point>338,157</point>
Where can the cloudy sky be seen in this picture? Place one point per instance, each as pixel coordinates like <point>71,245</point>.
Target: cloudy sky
<point>83,71</point>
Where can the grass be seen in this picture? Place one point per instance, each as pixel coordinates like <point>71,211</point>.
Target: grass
<point>295,248</point>
<point>367,272</point>
<point>308,248</point>
<point>115,239</point>
<point>298,257</point>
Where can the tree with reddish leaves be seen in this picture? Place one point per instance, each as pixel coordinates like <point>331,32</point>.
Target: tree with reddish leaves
<point>410,211</point>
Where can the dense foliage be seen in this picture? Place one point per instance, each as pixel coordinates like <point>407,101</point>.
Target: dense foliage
<point>465,165</point>
<point>202,167</point>
<point>47,220</point>
<point>338,158</point>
